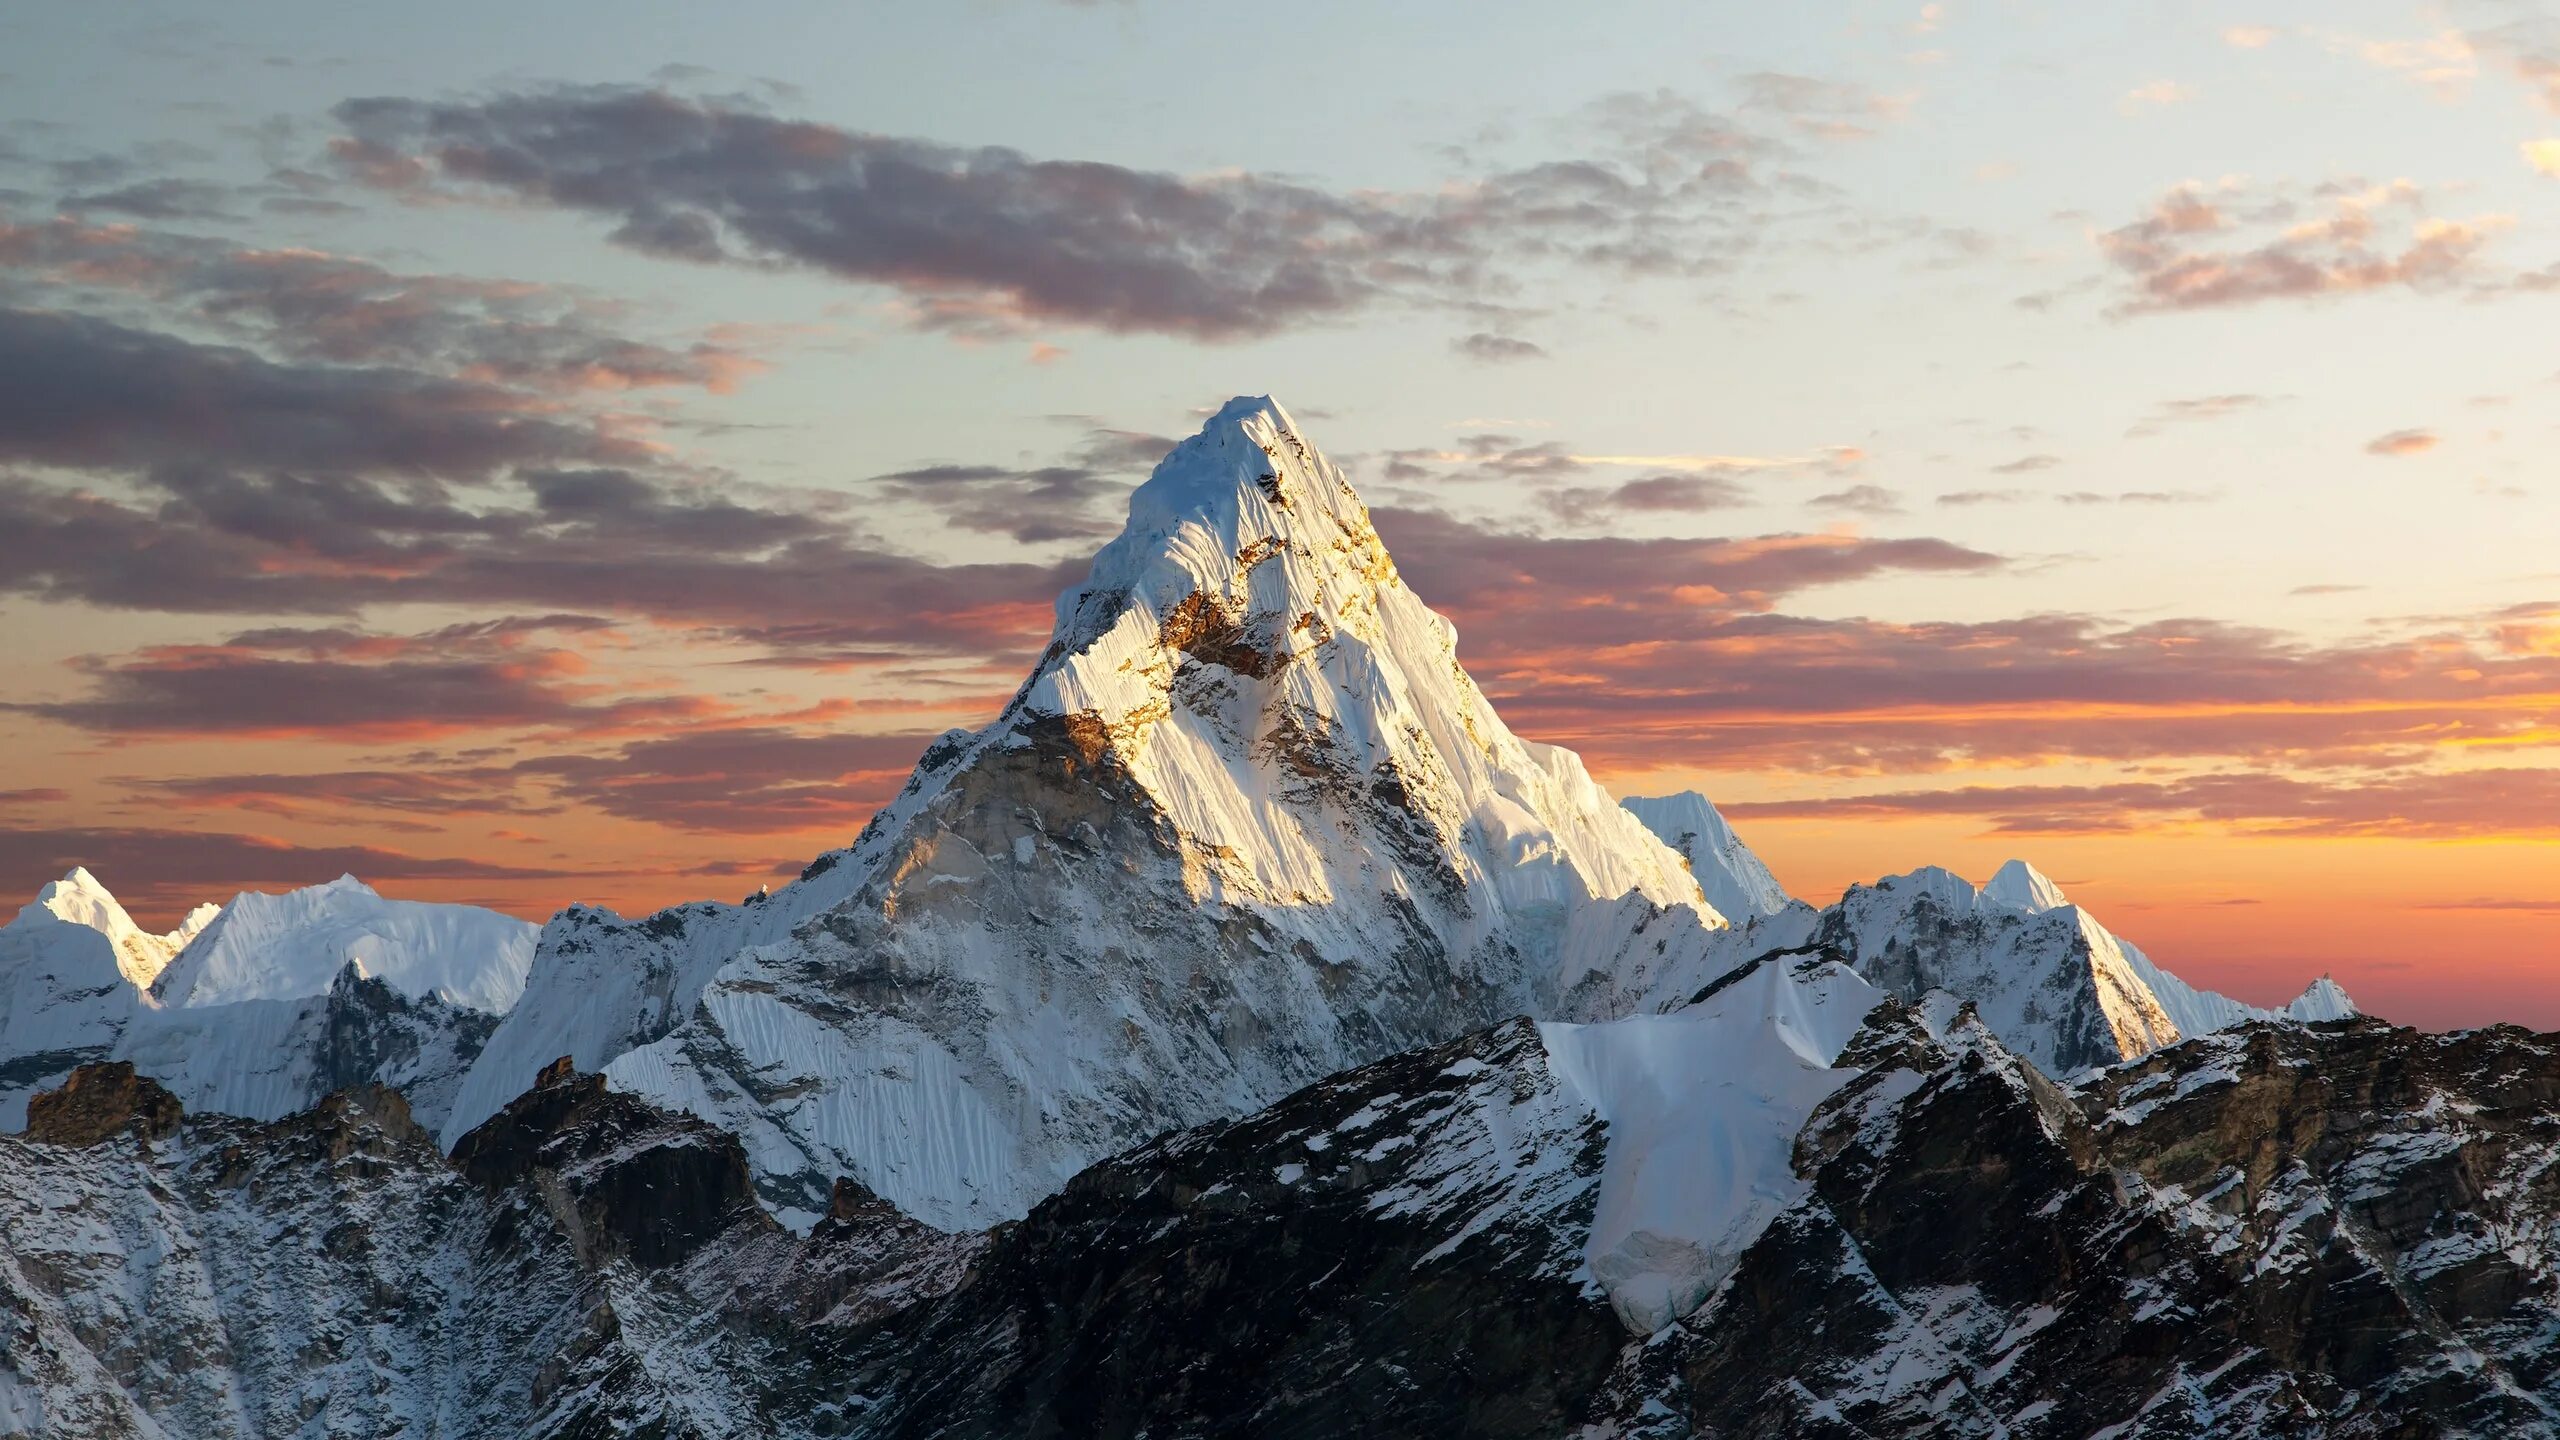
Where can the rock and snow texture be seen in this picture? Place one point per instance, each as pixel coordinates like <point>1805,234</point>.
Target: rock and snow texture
<point>1737,884</point>
<point>328,1278</point>
<point>2276,1231</point>
<point>331,1275</point>
<point>2334,1231</point>
<point>1247,823</point>
<point>261,1007</point>
<point>2054,984</point>
<point>1702,1108</point>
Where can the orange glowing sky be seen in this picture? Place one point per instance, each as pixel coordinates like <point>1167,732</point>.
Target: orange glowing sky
<point>594,467</point>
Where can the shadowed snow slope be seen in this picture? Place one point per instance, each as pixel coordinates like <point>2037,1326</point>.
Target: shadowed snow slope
<point>258,1008</point>
<point>1247,823</point>
<point>1737,884</point>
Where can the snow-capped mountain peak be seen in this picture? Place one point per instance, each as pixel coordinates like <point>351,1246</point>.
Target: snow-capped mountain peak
<point>2051,981</point>
<point>1734,879</point>
<point>2022,886</point>
<point>1247,823</point>
<point>2322,999</point>
<point>258,1008</point>
<point>78,898</point>
<point>1248,634</point>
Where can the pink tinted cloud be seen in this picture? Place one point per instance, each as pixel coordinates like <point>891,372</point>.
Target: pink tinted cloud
<point>2233,245</point>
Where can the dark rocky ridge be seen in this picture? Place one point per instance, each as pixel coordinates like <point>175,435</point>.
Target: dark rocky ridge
<point>620,1177</point>
<point>2337,1230</point>
<point>2283,1230</point>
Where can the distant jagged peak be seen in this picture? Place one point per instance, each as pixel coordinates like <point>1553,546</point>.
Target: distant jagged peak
<point>79,898</point>
<point>2322,999</point>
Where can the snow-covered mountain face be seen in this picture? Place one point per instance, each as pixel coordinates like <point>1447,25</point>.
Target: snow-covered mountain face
<point>600,985</point>
<point>1736,883</point>
<point>2055,985</point>
<point>283,947</point>
<point>1246,824</point>
<point>261,1007</point>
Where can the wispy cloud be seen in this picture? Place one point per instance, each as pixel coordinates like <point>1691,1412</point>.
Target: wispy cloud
<point>2400,443</point>
<point>2159,94</point>
<point>1861,499</point>
<point>1497,349</point>
<point>992,240</point>
<point>2232,244</point>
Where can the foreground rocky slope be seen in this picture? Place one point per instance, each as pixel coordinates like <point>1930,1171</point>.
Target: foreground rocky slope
<point>2343,1229</point>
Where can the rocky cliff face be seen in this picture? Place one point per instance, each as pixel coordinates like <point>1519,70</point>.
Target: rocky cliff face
<point>2319,1231</point>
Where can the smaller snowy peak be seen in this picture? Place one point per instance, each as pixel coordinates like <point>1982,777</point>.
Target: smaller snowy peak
<point>2052,982</point>
<point>1736,883</point>
<point>2022,886</point>
<point>2322,999</point>
<point>78,898</point>
<point>293,946</point>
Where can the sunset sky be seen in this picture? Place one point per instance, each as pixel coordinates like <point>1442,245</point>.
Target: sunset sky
<point>545,452</point>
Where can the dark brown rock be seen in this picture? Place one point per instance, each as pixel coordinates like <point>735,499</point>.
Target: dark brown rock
<point>100,1101</point>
